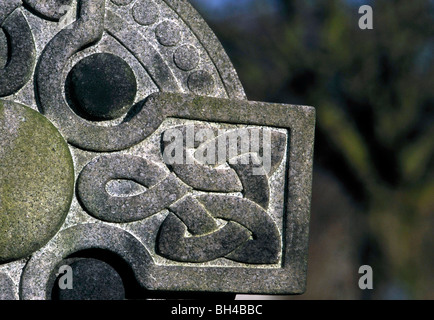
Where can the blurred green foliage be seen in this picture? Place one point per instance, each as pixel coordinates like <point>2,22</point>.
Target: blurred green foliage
<point>373,92</point>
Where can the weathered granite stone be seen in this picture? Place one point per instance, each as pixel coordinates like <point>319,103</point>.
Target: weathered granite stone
<point>18,71</point>
<point>114,81</point>
<point>201,83</point>
<point>6,288</point>
<point>36,181</point>
<point>121,2</point>
<point>49,9</point>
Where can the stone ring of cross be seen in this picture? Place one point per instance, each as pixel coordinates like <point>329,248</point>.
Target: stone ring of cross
<point>124,130</point>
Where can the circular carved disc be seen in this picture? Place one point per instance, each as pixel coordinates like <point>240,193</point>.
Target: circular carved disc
<point>36,181</point>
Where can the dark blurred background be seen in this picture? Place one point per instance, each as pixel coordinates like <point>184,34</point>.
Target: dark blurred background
<point>373,185</point>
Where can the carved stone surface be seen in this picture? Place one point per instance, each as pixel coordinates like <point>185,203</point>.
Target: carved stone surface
<point>176,175</point>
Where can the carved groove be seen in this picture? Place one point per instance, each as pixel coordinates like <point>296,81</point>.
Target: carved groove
<point>22,54</point>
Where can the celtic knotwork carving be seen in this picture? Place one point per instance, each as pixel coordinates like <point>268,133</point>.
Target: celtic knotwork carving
<point>164,189</point>
<point>264,246</point>
<point>199,168</point>
<point>246,169</point>
<point>174,245</point>
<point>250,236</point>
<point>189,169</point>
<point>19,68</point>
<point>87,30</point>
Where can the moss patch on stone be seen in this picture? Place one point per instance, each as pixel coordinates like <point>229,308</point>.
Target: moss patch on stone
<point>36,181</point>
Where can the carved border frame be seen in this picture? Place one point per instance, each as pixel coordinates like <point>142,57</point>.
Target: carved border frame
<point>291,277</point>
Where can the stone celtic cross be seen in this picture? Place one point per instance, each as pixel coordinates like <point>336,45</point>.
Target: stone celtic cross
<point>125,132</point>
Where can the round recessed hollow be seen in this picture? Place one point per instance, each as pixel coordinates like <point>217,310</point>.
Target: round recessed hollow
<point>101,87</point>
<point>89,279</point>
